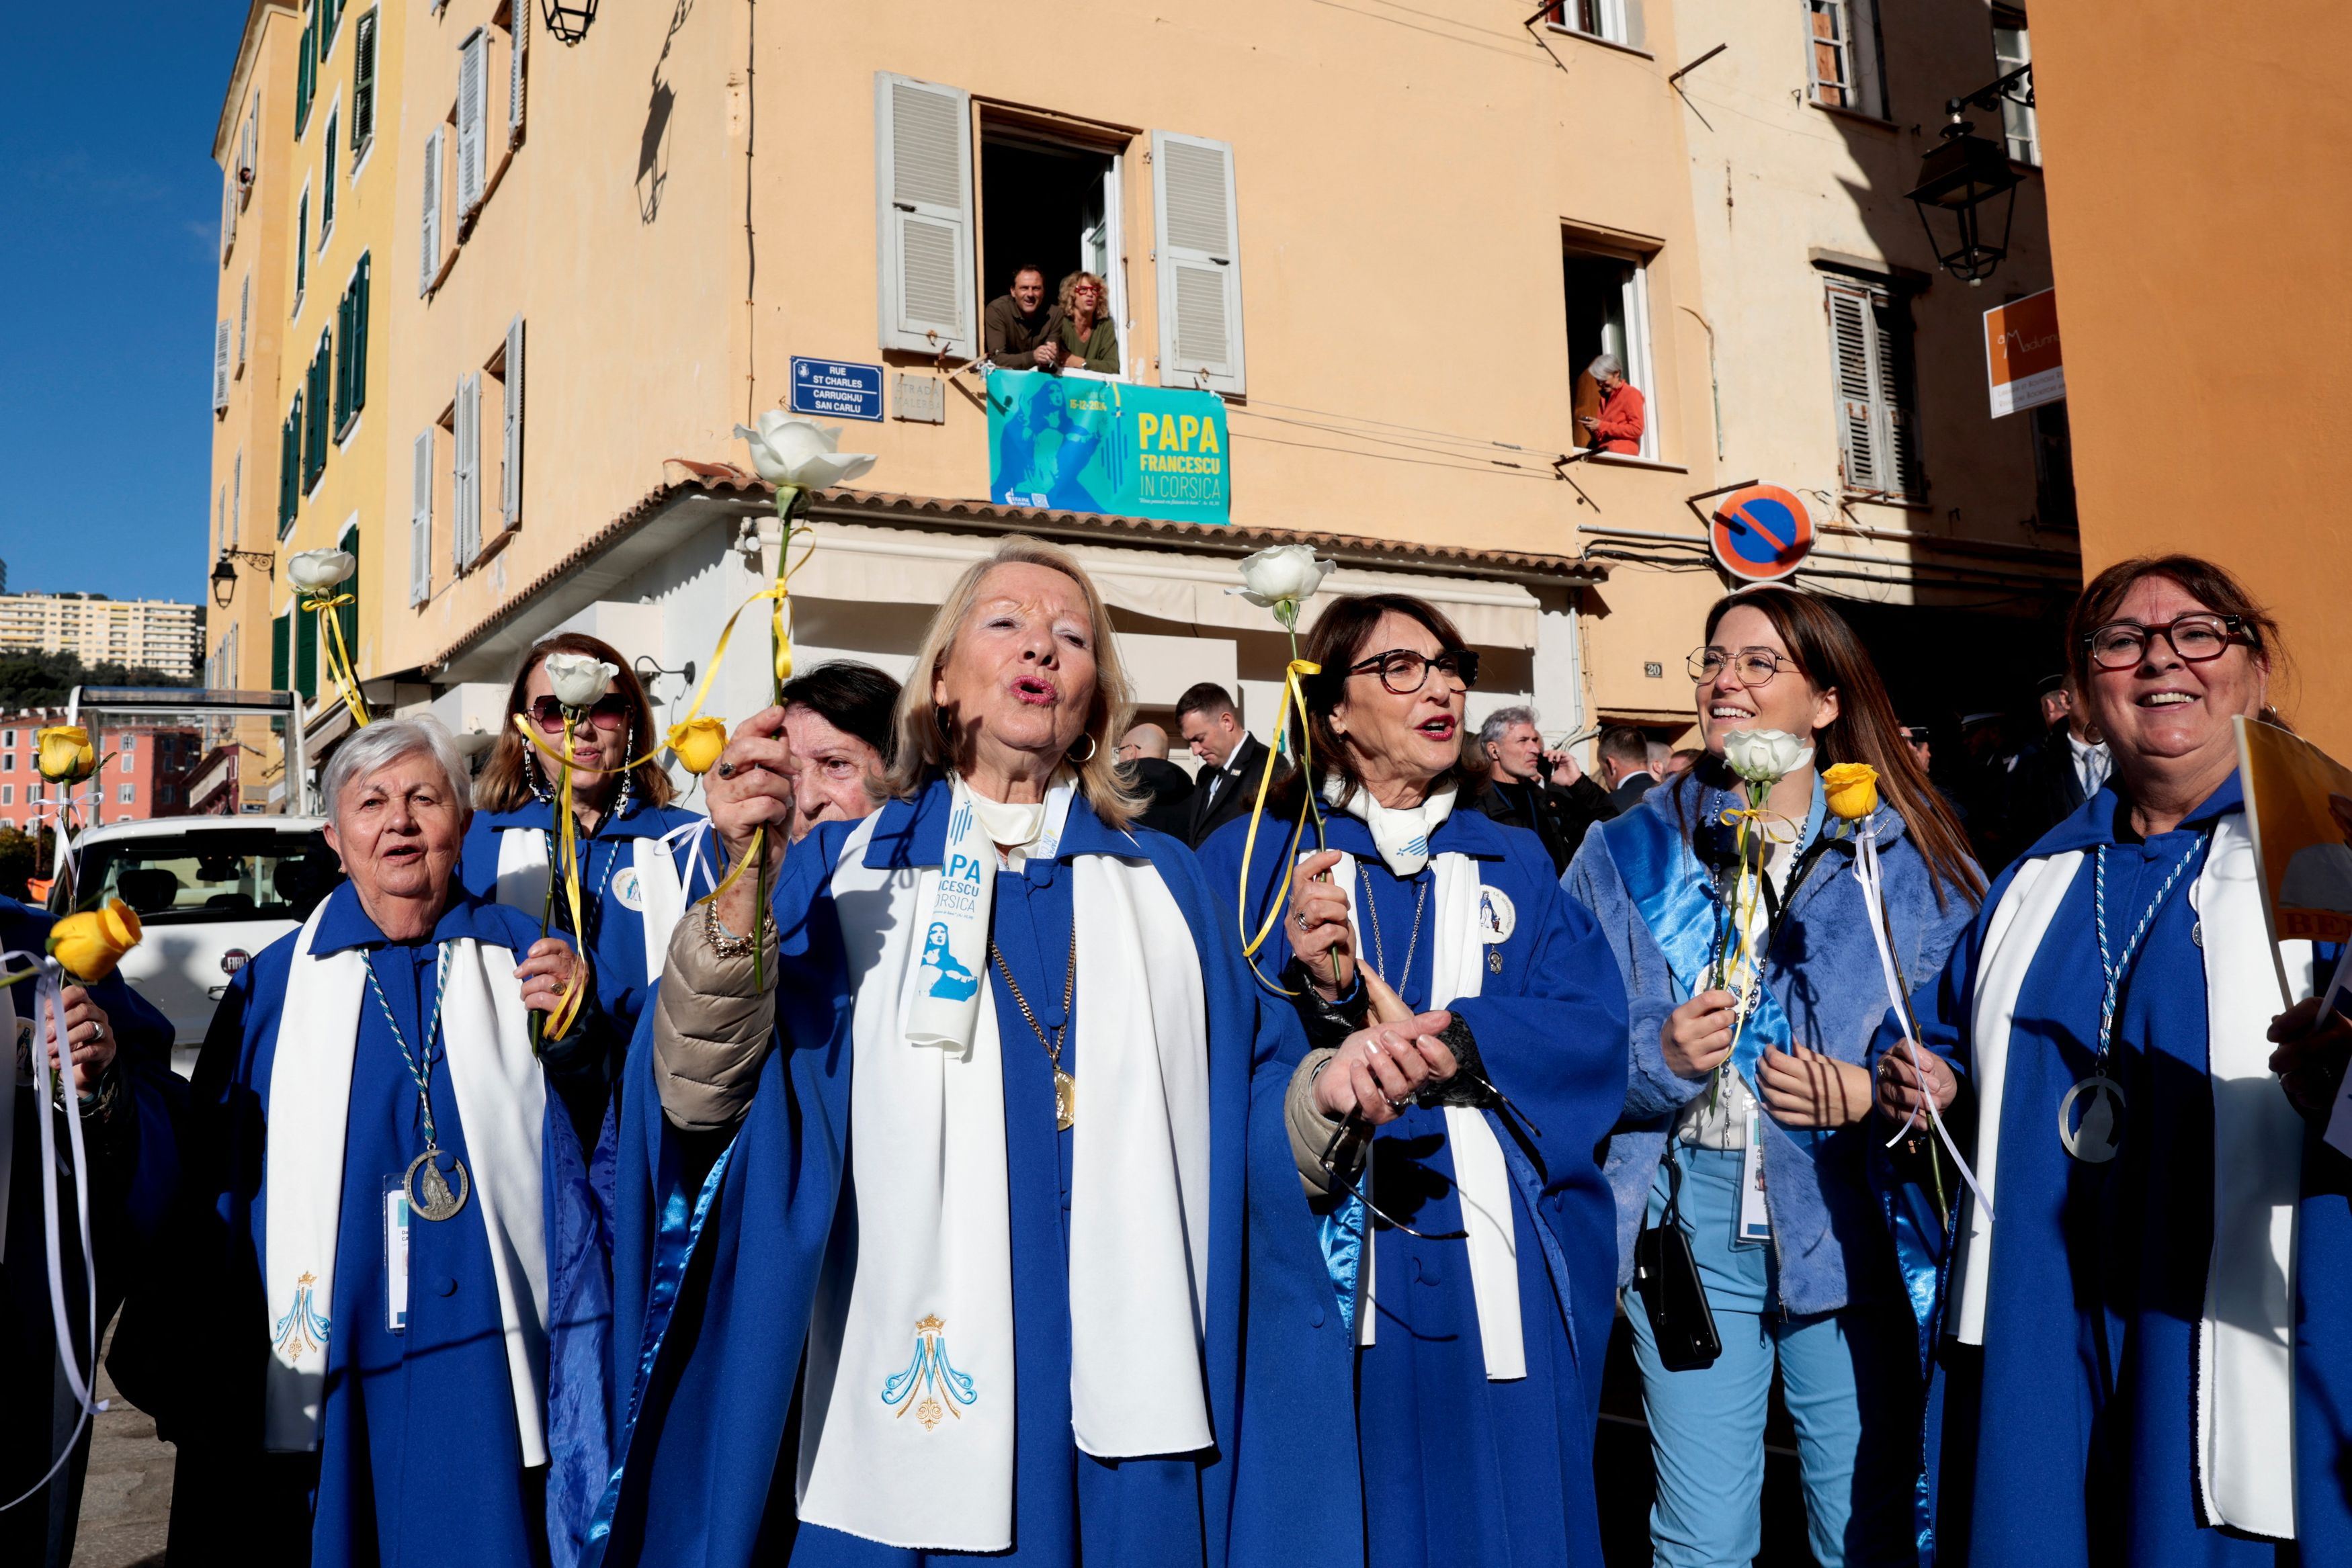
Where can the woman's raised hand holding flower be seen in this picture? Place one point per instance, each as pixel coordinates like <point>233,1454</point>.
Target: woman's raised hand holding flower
<point>1697,1036</point>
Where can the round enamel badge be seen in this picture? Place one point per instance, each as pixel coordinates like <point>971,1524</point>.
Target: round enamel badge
<point>628,890</point>
<point>1496,918</point>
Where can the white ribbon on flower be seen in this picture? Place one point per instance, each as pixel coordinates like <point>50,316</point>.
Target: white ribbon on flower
<point>1872,878</point>
<point>49,1009</point>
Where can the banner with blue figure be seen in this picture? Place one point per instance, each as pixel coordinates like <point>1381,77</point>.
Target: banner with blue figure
<point>1074,443</point>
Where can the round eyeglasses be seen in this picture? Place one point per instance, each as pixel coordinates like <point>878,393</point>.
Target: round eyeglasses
<point>2122,644</point>
<point>1405,671</point>
<point>1754,666</point>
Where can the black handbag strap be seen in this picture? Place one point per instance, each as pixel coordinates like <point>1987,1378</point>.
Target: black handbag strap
<point>1673,1217</point>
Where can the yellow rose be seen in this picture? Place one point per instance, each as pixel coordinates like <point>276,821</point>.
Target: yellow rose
<point>1853,789</point>
<point>699,742</point>
<point>66,757</point>
<point>90,944</point>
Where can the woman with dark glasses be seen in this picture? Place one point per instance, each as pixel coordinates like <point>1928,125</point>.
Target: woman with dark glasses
<point>630,839</point>
<point>1753,1002</point>
<point>1431,1239</point>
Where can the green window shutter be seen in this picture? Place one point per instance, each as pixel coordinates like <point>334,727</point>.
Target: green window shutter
<point>349,614</point>
<point>306,70</point>
<point>302,247</point>
<point>327,196</point>
<point>290,469</point>
<point>306,652</point>
<point>343,362</point>
<point>358,351</point>
<point>282,645</point>
<point>363,82</point>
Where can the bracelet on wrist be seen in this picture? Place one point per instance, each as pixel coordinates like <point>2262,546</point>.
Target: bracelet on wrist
<point>726,944</point>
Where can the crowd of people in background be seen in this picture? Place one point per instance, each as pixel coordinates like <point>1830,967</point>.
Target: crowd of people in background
<point>952,1127</point>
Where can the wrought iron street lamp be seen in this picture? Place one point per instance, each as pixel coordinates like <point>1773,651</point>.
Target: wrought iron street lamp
<point>223,577</point>
<point>570,23</point>
<point>1963,175</point>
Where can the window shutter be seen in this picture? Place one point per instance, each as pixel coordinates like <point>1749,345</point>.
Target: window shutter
<point>302,247</point>
<point>343,361</point>
<point>420,520</point>
<point>281,633</point>
<point>306,70</point>
<point>248,142</point>
<point>519,46</point>
<point>923,181</point>
<point>349,614</point>
<point>244,316</point>
<point>327,196</point>
<point>1194,216</point>
<point>220,365</point>
<point>466,526</point>
<point>429,260</point>
<point>1898,445</point>
<point>473,109</point>
<point>511,488</point>
<point>363,82</point>
<point>1851,344</point>
<point>355,351</point>
<point>306,652</point>
<point>237,499</point>
<point>290,467</point>
<point>1637,32</point>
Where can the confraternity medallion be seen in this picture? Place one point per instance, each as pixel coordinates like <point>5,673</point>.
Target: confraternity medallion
<point>430,1196</point>
<point>2091,1119</point>
<point>1066,1101</point>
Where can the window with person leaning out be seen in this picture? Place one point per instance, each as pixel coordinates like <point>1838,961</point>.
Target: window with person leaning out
<point>1073,333</point>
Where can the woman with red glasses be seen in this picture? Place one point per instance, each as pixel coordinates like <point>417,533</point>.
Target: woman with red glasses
<point>631,850</point>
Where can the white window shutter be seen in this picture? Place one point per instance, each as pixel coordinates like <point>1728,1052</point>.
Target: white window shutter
<point>922,182</point>
<point>521,47</point>
<point>511,482</point>
<point>1637,29</point>
<point>420,520</point>
<point>1195,215</point>
<point>243,316</point>
<point>429,260</point>
<point>1898,462</point>
<point>473,109</point>
<point>220,364</point>
<point>1853,345</point>
<point>466,493</point>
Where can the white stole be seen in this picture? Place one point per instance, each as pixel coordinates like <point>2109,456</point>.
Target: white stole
<point>9,1084</point>
<point>2244,1392</point>
<point>1481,1180</point>
<point>524,877</point>
<point>501,1100</point>
<point>907,1427</point>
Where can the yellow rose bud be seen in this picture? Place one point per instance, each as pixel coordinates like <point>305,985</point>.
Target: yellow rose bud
<point>699,742</point>
<point>1852,789</point>
<point>66,755</point>
<point>89,944</point>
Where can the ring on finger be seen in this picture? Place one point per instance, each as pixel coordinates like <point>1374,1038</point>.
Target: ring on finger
<point>727,770</point>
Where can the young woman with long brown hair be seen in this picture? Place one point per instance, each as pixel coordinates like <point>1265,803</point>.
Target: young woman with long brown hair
<point>632,889</point>
<point>1751,1018</point>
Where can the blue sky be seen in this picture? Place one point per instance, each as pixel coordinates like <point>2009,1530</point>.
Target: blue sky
<point>109,267</point>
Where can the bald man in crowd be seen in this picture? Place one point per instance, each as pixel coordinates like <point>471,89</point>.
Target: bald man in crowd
<point>1167,788</point>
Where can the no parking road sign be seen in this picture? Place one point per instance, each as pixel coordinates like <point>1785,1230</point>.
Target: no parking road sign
<point>1762,533</point>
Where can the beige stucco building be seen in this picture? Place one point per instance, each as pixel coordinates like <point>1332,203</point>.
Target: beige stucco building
<point>1389,238</point>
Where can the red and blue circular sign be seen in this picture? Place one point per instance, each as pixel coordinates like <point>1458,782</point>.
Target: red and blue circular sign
<point>1762,533</point>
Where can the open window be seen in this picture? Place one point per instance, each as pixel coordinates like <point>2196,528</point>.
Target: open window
<point>1053,205</point>
<point>1612,21</point>
<point>1608,301</point>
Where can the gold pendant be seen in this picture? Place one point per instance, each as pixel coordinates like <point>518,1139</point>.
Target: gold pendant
<point>1065,1100</point>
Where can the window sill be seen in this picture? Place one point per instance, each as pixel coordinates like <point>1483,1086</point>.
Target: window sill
<point>344,434</point>
<point>1621,460</point>
<point>1584,38</point>
<point>1875,498</point>
<point>1877,121</point>
<point>360,160</point>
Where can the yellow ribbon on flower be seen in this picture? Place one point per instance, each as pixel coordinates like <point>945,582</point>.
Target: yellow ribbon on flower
<point>337,654</point>
<point>1291,692</point>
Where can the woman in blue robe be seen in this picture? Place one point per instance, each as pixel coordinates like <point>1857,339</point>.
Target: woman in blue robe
<point>633,856</point>
<point>1802,1278</point>
<point>440,1398</point>
<point>121,1051</point>
<point>1432,1263</point>
<point>907,1265</point>
<point>2149,1359</point>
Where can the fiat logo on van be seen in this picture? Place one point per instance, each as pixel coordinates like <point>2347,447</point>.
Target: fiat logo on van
<point>233,960</point>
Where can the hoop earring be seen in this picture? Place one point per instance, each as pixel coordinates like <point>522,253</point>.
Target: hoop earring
<point>1072,755</point>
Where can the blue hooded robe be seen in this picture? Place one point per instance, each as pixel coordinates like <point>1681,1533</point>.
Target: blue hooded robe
<point>716,1274</point>
<point>1403,1453</point>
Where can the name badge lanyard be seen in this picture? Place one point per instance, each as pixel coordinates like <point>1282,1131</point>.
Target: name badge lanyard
<point>430,1196</point>
<point>2097,1136</point>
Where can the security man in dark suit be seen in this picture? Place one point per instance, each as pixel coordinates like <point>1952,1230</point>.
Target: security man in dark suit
<point>1167,789</point>
<point>2053,776</point>
<point>1231,759</point>
<point>1528,787</point>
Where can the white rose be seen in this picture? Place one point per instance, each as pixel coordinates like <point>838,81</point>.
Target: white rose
<point>1765,756</point>
<point>793,454</point>
<point>578,679</point>
<point>317,570</point>
<point>1282,574</point>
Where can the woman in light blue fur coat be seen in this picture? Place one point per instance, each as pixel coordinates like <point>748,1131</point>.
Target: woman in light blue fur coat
<point>1817,1246</point>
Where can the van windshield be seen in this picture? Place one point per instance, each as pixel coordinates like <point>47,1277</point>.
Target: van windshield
<point>189,879</point>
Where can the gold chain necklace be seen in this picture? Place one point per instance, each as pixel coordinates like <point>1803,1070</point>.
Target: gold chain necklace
<point>1065,1087</point>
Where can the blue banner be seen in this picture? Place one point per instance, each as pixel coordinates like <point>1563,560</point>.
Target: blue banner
<point>1073,444</point>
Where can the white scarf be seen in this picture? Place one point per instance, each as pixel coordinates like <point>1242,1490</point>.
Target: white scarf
<point>945,1010</point>
<point>2244,1392</point>
<point>907,1427</point>
<point>524,875</point>
<point>1481,1180</point>
<point>501,1098</point>
<point>1401,836</point>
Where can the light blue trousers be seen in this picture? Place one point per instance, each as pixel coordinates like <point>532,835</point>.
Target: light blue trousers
<point>1840,1372</point>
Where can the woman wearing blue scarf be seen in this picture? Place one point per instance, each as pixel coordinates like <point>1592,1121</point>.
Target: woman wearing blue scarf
<point>1747,1111</point>
<point>633,856</point>
<point>1431,1266</point>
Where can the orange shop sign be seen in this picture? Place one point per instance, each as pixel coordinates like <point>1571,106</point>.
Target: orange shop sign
<point>2021,359</point>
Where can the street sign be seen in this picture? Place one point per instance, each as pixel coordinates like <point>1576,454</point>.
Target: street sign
<point>1760,533</point>
<point>2022,361</point>
<point>834,390</point>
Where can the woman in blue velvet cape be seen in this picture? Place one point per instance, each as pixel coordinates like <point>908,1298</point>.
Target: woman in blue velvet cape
<point>726,1216</point>
<point>133,1165</point>
<point>1430,1444</point>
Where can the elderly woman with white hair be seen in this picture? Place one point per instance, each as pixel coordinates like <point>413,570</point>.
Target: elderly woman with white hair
<point>391,1293</point>
<point>971,1103</point>
<point>1616,426</point>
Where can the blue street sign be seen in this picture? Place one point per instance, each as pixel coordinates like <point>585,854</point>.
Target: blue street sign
<point>833,390</point>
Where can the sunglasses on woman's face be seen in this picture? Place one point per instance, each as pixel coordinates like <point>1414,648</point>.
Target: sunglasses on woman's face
<point>611,712</point>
